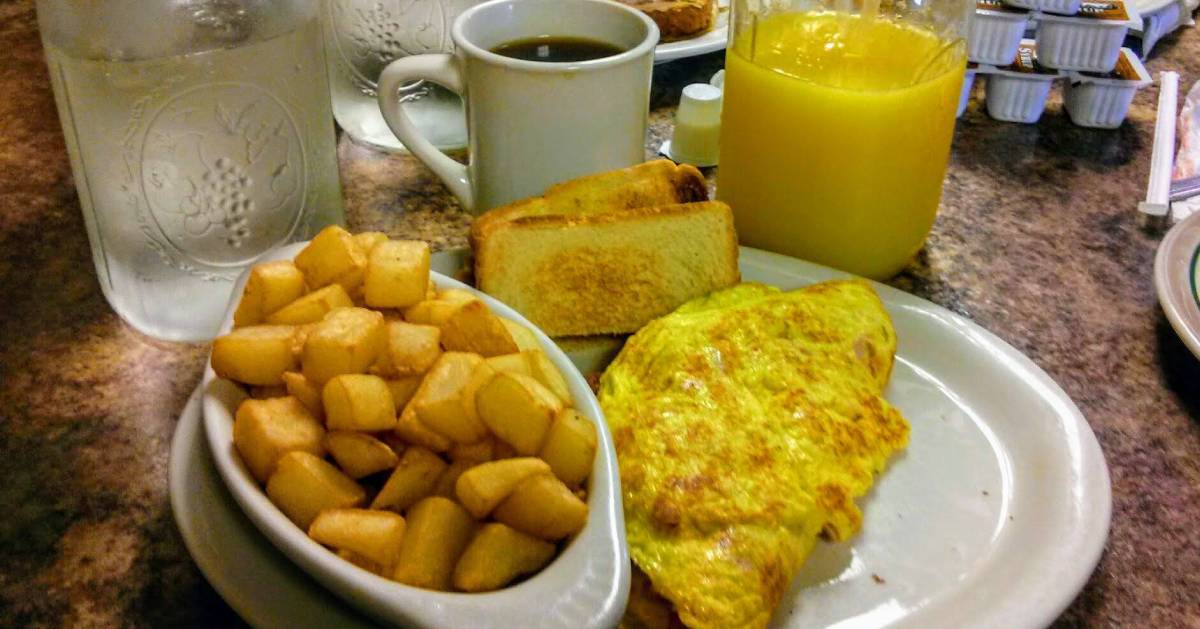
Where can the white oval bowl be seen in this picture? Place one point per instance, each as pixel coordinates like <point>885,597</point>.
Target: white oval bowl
<point>587,585</point>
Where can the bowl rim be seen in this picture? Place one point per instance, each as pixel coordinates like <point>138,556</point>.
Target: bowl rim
<point>587,584</point>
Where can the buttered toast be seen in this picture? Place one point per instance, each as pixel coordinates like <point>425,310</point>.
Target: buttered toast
<point>608,273</point>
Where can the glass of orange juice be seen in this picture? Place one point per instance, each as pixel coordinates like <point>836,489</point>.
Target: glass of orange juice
<point>837,125</point>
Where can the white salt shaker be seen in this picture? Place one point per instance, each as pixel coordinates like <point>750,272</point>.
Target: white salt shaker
<point>697,126</point>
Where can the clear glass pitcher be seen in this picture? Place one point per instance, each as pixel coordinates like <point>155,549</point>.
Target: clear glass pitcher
<point>837,123</point>
<point>200,136</point>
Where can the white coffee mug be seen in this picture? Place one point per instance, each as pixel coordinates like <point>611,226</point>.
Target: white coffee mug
<point>531,124</point>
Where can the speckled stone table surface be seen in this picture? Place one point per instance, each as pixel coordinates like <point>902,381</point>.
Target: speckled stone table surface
<point>1037,240</point>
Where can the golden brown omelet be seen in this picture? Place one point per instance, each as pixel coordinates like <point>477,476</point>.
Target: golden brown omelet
<point>746,423</point>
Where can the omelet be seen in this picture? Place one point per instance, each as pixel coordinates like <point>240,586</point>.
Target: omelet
<point>746,423</point>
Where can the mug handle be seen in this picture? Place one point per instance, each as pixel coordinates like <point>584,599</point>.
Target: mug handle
<point>440,69</point>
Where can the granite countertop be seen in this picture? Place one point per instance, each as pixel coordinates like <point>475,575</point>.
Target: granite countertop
<point>1037,240</point>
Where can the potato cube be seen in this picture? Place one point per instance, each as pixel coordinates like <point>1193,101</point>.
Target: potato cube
<point>299,338</point>
<point>332,257</point>
<point>312,307</point>
<point>511,363</point>
<point>366,241</point>
<point>445,486</point>
<point>518,410</point>
<point>415,476</point>
<point>543,507</point>
<point>486,485</point>
<point>497,555</point>
<point>304,485</point>
<point>258,354</point>
<point>347,340</point>
<point>403,390</point>
<point>397,274</point>
<point>359,454</point>
<point>473,453</point>
<point>270,286</point>
<point>438,530</point>
<point>411,349</point>
<point>410,428</point>
<point>439,402</point>
<point>266,392</point>
<point>473,328</point>
<point>374,535</point>
<point>363,562</point>
<point>430,312</point>
<point>503,450</point>
<point>456,296</point>
<point>264,430</point>
<point>431,290</point>
<point>521,335</point>
<point>546,373</point>
<point>358,402</point>
<point>308,393</point>
<point>570,447</point>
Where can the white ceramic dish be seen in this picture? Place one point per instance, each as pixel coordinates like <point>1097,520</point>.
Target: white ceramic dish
<point>1177,279</point>
<point>995,516</point>
<point>585,586</point>
<point>1160,17</point>
<point>713,40</point>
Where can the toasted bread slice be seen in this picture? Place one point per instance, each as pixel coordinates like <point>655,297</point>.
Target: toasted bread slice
<point>607,273</point>
<point>659,182</point>
<point>678,19</point>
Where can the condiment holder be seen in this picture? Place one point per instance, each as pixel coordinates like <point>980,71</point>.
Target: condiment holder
<point>1087,41</point>
<point>995,32</point>
<point>1017,92</point>
<point>1102,101</point>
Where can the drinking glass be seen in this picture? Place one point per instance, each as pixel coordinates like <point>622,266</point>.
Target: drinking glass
<point>364,36</point>
<point>200,136</point>
<point>836,126</point>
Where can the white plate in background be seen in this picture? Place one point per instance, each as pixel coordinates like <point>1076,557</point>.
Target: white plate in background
<point>1177,280</point>
<point>713,40</point>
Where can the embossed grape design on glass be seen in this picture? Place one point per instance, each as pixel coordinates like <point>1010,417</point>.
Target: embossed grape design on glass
<point>200,135</point>
<point>362,37</point>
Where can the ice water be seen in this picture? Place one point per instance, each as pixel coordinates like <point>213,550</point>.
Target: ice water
<point>189,166</point>
<point>362,37</point>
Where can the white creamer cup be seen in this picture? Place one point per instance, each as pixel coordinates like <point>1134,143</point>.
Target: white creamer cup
<point>1103,101</point>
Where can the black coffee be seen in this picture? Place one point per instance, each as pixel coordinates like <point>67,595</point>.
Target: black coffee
<point>557,49</point>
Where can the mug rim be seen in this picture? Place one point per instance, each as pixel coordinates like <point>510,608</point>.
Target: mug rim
<point>647,45</point>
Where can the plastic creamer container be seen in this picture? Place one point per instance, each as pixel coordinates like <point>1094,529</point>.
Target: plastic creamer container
<point>968,82</point>
<point>1017,92</point>
<point>1089,40</point>
<point>1064,7</point>
<point>995,32</point>
<point>1102,100</point>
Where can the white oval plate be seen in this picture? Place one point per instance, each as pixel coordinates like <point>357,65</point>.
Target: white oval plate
<point>1177,280</point>
<point>715,39</point>
<point>585,586</point>
<point>994,517</point>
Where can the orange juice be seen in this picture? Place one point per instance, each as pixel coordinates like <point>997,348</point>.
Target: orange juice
<point>835,136</point>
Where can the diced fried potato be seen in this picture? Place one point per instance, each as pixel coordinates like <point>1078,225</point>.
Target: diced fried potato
<point>503,450</point>
<point>270,286</point>
<point>543,507</point>
<point>482,374</point>
<point>445,486</point>
<point>266,392</point>
<point>347,340</point>
<point>430,312</point>
<point>309,394</point>
<point>265,430</point>
<point>438,403</point>
<point>518,410</point>
<point>438,531</point>
<point>299,338</point>
<point>415,476</point>
<point>511,363</point>
<point>473,328</point>
<point>364,563</point>
<point>497,555</point>
<point>544,371</point>
<point>397,274</point>
<point>410,428</point>
<point>374,535</point>
<point>312,307</point>
<point>570,447</point>
<point>257,354</point>
<point>411,349</point>
<point>431,290</point>
<point>521,335</point>
<point>359,454</point>
<point>456,296</point>
<point>366,241</point>
<point>486,485</point>
<point>358,402</point>
<point>304,485</point>
<point>332,257</point>
<point>473,453</point>
<point>393,441</point>
<point>403,390</point>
